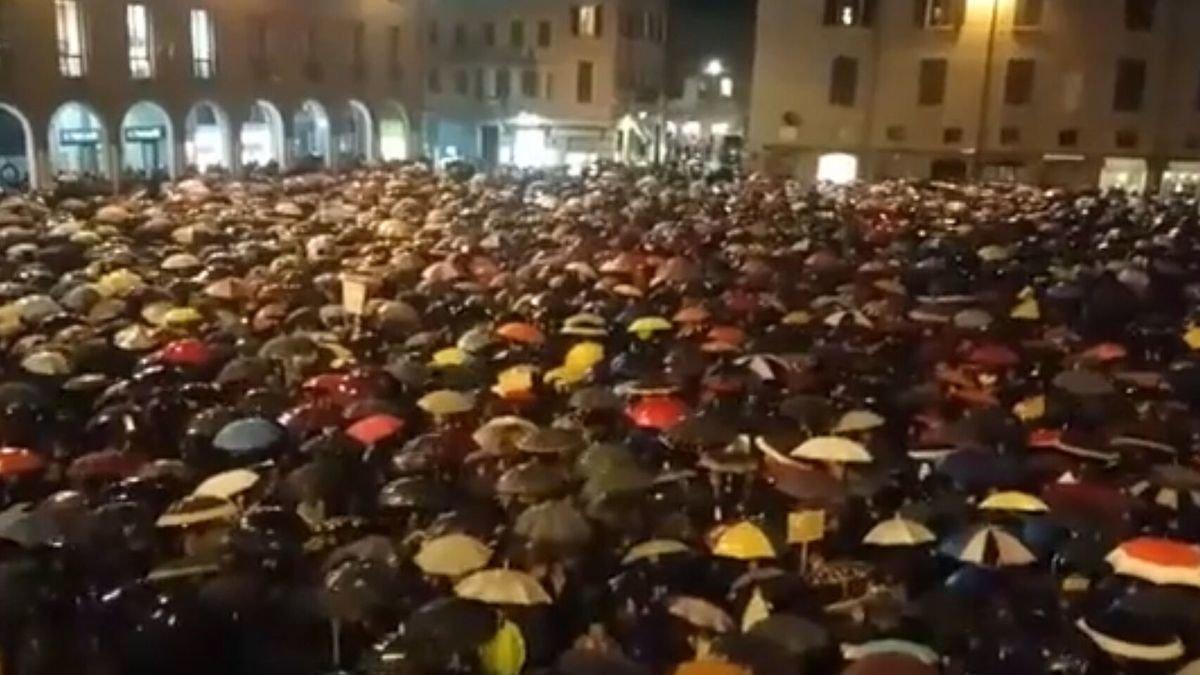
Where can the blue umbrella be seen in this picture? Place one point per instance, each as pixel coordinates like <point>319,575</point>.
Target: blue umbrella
<point>247,436</point>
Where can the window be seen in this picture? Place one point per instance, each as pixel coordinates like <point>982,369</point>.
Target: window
<point>843,82</point>
<point>460,35</point>
<point>204,53</point>
<point>939,13</point>
<point>479,84</point>
<point>849,12</point>
<point>516,34</point>
<point>549,92</point>
<point>435,81</point>
<point>68,17</point>
<point>489,34</point>
<point>1018,82</point>
<point>433,33</point>
<point>1068,138</point>
<point>727,87</point>
<point>258,42</point>
<point>1130,85</point>
<point>587,20</point>
<point>952,135</point>
<point>583,82</point>
<point>462,84</point>
<point>896,133</point>
<point>395,67</point>
<point>1010,135</point>
<point>1027,13</point>
<point>358,54</point>
<point>931,85</point>
<point>1127,139</point>
<point>529,83</point>
<point>137,27</point>
<point>503,83</point>
<point>1139,15</point>
<point>543,34</point>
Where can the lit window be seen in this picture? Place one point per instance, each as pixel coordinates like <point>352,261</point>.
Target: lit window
<point>727,87</point>
<point>941,13</point>
<point>204,64</point>
<point>586,20</point>
<point>848,12</point>
<point>137,25</point>
<point>68,17</point>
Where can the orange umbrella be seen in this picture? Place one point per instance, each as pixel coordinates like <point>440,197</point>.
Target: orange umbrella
<point>374,428</point>
<point>521,332</point>
<point>17,461</point>
<point>1105,352</point>
<point>1159,561</point>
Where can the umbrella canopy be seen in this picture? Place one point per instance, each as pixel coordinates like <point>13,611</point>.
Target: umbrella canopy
<point>832,449</point>
<point>657,412</point>
<point>18,461</point>
<point>249,435</point>
<point>553,523</point>
<point>446,402</point>
<point>502,587</point>
<point>655,549</point>
<point>890,664</point>
<point>452,555</point>
<point>742,541</point>
<point>198,509</point>
<point>700,613</point>
<point>1019,502</point>
<point>899,531</point>
<point>1159,561</point>
<point>797,635</point>
<point>988,546</point>
<point>227,484</point>
<point>1129,637</point>
<point>375,428</point>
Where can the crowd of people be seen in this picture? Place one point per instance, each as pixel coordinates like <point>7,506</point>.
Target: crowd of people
<point>406,421</point>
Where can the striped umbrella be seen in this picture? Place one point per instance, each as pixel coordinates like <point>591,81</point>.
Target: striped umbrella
<point>988,546</point>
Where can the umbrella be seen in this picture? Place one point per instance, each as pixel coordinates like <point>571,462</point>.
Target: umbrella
<point>502,587</point>
<point>500,435</point>
<point>248,435</point>
<point>551,441</point>
<point>227,484</point>
<point>890,664</point>
<point>832,449</point>
<point>654,550</point>
<point>595,662</point>
<point>899,531</point>
<point>657,412</point>
<point>452,624</point>
<point>988,546</point>
<point>19,461</point>
<point>1159,561</point>
<point>533,480</point>
<point>700,613</point>
<point>375,428</point>
<point>857,421</point>
<point>197,509</point>
<point>553,523</point>
<point>1170,486</point>
<point>1128,636</point>
<point>446,402</point>
<point>797,635</point>
<point>742,541</point>
<point>645,327</point>
<point>711,668</point>
<point>1083,383</point>
<point>1020,502</point>
<point>890,647</point>
<point>452,555</point>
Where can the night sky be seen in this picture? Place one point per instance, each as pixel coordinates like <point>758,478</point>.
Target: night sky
<point>703,29</point>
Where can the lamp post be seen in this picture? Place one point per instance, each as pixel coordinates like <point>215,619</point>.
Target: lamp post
<point>985,93</point>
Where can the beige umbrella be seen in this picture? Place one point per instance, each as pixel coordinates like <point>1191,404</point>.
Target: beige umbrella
<point>899,531</point>
<point>227,484</point>
<point>452,555</point>
<point>503,435</point>
<point>46,362</point>
<point>857,421</point>
<point>197,509</point>
<point>446,402</point>
<point>700,613</point>
<point>499,586</point>
<point>832,449</point>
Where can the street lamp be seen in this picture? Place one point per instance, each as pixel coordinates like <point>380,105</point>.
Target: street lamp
<point>714,68</point>
<point>985,93</point>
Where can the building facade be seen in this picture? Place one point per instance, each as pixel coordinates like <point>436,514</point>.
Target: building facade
<point>707,123</point>
<point>135,87</point>
<point>1057,92</point>
<point>544,82</point>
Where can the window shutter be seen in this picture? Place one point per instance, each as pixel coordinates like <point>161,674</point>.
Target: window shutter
<point>599,20</point>
<point>919,12</point>
<point>831,11</point>
<point>959,9</point>
<point>575,20</point>
<point>868,12</point>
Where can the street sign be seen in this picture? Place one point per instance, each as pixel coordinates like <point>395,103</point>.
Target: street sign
<point>144,134</point>
<point>78,136</point>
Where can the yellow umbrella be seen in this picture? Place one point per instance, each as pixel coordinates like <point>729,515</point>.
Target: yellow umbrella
<point>832,449</point>
<point>1192,337</point>
<point>227,484</point>
<point>514,381</point>
<point>452,555</point>
<point>742,541</point>
<point>504,654</point>
<point>584,356</point>
<point>446,402</point>
<point>585,325</point>
<point>197,509</point>
<point>448,358</point>
<point>654,549</point>
<point>119,283</point>
<point>1026,310</point>
<point>796,318</point>
<point>1014,501</point>
<point>645,327</point>
<point>502,587</point>
<point>1029,409</point>
<point>182,316</point>
<point>899,531</point>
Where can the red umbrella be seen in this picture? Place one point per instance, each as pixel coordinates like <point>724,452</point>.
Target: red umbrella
<point>339,389</point>
<point>312,417</point>
<point>17,461</point>
<point>186,352</point>
<point>105,464</point>
<point>993,355</point>
<point>657,412</point>
<point>370,430</point>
